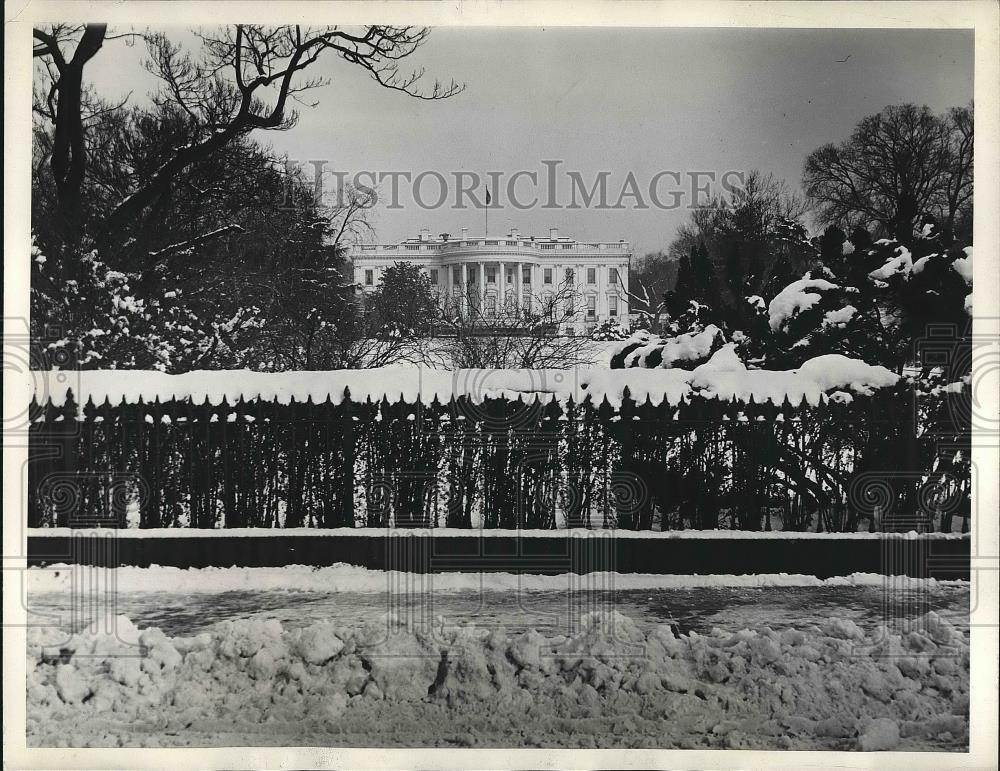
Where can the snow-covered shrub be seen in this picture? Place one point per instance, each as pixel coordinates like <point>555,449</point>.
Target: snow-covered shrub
<point>87,315</point>
<point>612,330</point>
<point>684,351</point>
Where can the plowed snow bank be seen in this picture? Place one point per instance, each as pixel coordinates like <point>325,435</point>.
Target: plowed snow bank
<point>253,682</point>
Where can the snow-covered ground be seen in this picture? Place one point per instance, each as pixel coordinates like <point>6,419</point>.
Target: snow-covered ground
<point>60,578</point>
<point>315,659</point>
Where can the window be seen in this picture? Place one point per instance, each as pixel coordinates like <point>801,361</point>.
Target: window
<point>547,278</point>
<point>509,275</point>
<point>613,276</point>
<point>591,275</point>
<point>456,276</point>
<point>612,305</point>
<point>369,277</point>
<point>491,275</point>
<point>592,307</point>
<point>526,275</point>
<point>569,275</point>
<point>570,331</point>
<point>434,276</point>
<point>569,306</point>
<point>471,275</point>
<point>491,303</point>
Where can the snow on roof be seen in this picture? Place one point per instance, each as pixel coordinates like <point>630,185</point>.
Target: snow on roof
<point>723,377</point>
<point>795,298</point>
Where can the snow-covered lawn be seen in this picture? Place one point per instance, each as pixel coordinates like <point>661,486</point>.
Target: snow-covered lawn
<point>829,680</point>
<point>59,578</point>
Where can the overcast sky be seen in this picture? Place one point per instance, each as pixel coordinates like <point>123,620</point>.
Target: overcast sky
<point>621,100</point>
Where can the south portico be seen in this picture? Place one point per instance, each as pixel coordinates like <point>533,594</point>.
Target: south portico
<point>482,274</point>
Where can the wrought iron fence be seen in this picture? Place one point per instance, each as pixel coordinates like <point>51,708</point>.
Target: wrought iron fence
<point>498,463</point>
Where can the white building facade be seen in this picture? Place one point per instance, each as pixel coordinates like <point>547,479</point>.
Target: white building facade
<point>478,273</point>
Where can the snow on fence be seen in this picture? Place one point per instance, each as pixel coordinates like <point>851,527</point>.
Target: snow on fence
<point>723,377</point>
<point>634,449</point>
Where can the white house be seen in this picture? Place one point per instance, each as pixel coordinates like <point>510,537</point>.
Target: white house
<point>469,270</point>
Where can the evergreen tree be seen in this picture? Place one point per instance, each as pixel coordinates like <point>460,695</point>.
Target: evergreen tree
<point>704,275</point>
<point>685,289</point>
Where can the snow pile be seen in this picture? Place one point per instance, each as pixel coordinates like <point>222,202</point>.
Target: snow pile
<point>382,683</point>
<point>796,298</point>
<point>834,370</point>
<point>350,578</point>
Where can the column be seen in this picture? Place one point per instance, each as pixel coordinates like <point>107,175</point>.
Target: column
<point>464,286</point>
<point>602,294</point>
<point>502,284</point>
<point>532,284</point>
<point>518,284</point>
<point>482,288</point>
<point>624,306</point>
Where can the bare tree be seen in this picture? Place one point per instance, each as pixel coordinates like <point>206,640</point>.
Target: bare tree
<point>650,278</point>
<point>897,165</point>
<point>958,186</point>
<point>647,300</point>
<point>64,104</point>
<point>243,81</point>
<point>504,333</point>
<point>703,226</point>
<point>739,238</point>
<point>750,214</point>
